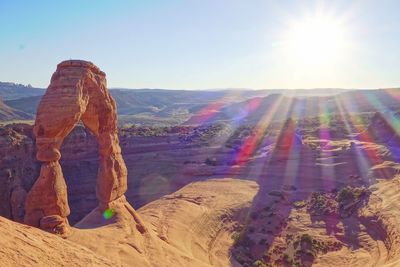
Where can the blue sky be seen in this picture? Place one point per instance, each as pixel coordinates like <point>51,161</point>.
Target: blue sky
<point>197,44</point>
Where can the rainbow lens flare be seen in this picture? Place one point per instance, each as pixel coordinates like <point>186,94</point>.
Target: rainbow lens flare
<point>108,214</point>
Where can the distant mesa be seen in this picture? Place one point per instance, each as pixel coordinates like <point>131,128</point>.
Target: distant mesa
<point>77,92</point>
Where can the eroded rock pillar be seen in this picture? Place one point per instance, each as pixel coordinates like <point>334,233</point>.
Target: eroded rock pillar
<point>48,200</point>
<point>112,174</point>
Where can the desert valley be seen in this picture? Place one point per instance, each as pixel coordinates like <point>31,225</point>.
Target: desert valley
<point>224,182</point>
<point>213,133</point>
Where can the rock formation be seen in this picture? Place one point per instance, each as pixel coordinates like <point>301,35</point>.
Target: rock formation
<point>18,169</point>
<point>77,92</point>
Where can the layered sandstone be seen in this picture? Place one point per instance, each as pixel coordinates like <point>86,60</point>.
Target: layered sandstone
<point>77,92</point>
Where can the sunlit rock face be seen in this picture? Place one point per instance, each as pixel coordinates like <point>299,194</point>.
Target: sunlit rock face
<point>78,92</point>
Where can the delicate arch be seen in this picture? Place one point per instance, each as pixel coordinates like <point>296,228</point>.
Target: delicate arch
<point>78,91</point>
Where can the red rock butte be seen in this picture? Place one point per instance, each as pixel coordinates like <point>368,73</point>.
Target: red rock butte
<point>77,92</point>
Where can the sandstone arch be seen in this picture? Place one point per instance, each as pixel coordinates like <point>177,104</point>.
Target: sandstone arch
<point>78,91</point>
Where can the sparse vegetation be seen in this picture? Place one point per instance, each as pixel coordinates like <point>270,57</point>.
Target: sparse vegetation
<point>187,134</point>
<point>344,202</point>
<point>138,130</point>
<point>349,197</point>
<point>304,248</point>
<point>299,204</point>
<point>301,249</point>
<point>321,204</point>
<point>350,194</point>
<point>236,237</point>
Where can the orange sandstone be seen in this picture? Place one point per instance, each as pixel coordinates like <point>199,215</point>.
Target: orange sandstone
<point>77,92</point>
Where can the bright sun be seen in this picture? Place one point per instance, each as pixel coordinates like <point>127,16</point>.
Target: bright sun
<point>315,41</point>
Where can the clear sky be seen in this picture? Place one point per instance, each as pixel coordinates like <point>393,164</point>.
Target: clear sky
<point>199,44</point>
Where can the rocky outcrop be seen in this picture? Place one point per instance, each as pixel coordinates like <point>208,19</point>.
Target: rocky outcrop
<point>18,169</point>
<point>22,245</point>
<point>78,92</point>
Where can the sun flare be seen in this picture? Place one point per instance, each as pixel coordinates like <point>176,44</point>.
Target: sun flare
<point>316,41</point>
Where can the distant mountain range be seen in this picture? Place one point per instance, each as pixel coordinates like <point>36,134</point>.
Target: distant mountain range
<point>10,91</point>
<point>164,106</point>
<point>279,107</point>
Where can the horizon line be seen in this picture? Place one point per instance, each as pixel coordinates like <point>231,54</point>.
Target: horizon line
<point>226,88</point>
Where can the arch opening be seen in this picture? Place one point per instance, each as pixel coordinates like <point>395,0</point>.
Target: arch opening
<point>77,92</point>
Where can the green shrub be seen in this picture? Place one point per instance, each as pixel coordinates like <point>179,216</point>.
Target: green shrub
<point>306,238</point>
<point>237,236</point>
<point>321,204</point>
<point>299,204</point>
<point>350,194</point>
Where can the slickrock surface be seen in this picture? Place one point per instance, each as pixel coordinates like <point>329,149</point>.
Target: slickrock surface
<point>22,245</point>
<point>192,227</point>
<point>200,219</point>
<point>379,219</point>
<point>77,91</point>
